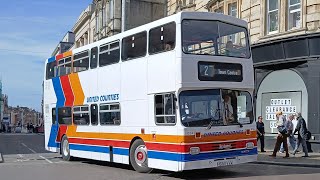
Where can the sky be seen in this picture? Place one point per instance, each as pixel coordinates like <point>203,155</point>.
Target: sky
<point>29,32</point>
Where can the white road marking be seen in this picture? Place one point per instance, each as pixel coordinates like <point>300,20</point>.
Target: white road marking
<point>28,148</point>
<point>45,159</point>
<point>20,155</point>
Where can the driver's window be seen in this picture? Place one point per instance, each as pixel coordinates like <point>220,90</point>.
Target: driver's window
<point>199,108</point>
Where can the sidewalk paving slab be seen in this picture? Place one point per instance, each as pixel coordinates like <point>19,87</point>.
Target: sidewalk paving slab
<point>298,161</point>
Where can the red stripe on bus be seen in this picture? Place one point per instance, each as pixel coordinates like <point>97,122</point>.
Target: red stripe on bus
<point>67,90</point>
<point>59,56</point>
<point>62,130</point>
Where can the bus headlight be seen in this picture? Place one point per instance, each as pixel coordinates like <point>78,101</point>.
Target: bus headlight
<point>194,150</point>
<point>250,145</point>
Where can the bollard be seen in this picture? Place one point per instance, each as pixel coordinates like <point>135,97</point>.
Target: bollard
<point>1,158</point>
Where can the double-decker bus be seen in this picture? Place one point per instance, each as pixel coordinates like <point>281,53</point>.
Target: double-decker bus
<point>174,94</point>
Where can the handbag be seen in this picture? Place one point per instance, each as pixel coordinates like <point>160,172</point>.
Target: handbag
<point>282,129</point>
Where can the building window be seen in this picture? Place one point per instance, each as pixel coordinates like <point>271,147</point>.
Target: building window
<point>162,38</point>
<point>81,61</point>
<point>104,17</point>
<point>97,25</point>
<point>110,114</point>
<point>273,16</point>
<point>232,9</point>
<point>81,115</point>
<point>109,54</point>
<point>134,46</point>
<point>100,19</point>
<point>64,115</point>
<point>165,111</point>
<point>294,14</point>
<point>111,8</point>
<point>64,66</point>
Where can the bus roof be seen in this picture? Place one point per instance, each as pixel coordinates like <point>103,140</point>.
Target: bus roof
<point>175,17</point>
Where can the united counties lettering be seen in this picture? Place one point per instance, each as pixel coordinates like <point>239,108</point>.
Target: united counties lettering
<point>103,98</point>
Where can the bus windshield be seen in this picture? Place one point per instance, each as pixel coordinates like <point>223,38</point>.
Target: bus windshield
<point>215,107</point>
<point>214,38</point>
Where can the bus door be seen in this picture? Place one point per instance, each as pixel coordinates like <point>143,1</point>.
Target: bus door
<point>53,128</point>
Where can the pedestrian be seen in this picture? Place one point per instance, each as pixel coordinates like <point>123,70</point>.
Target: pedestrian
<point>302,135</point>
<point>260,132</point>
<point>291,140</point>
<point>28,127</point>
<point>282,136</point>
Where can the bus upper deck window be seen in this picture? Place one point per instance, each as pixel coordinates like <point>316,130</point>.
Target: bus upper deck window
<point>214,38</point>
<point>162,38</point>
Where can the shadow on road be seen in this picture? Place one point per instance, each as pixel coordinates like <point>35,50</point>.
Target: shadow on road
<point>244,170</point>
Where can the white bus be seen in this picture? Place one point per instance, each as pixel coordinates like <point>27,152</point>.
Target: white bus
<point>174,94</point>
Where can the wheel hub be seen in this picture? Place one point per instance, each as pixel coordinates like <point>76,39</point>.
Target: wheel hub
<point>141,155</point>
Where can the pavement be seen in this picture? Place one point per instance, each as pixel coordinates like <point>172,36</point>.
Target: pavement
<point>296,161</point>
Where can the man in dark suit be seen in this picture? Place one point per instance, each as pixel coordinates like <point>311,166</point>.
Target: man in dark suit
<point>260,133</point>
<point>302,130</point>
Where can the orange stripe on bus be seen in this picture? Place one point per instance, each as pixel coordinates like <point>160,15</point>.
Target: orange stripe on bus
<point>68,53</point>
<point>77,89</point>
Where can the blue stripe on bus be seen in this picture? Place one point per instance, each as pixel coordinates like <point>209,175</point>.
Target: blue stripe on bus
<point>51,59</point>
<point>53,136</point>
<point>101,149</point>
<point>89,148</point>
<point>58,91</point>
<point>164,155</point>
<point>201,156</point>
<point>218,155</point>
<point>121,151</point>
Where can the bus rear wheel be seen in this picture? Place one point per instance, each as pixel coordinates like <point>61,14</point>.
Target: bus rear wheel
<point>65,150</point>
<point>139,157</point>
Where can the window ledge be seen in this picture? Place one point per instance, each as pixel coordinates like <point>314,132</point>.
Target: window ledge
<point>281,34</point>
<point>187,6</point>
<point>211,3</point>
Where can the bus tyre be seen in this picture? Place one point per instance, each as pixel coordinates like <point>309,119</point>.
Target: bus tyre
<point>65,150</point>
<point>139,157</point>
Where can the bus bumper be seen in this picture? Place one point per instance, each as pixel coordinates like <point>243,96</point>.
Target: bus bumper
<point>211,163</point>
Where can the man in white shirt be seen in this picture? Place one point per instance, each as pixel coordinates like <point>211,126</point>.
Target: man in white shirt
<point>290,139</point>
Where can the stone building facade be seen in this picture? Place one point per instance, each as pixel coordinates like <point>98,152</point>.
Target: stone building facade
<point>103,18</point>
<point>267,19</point>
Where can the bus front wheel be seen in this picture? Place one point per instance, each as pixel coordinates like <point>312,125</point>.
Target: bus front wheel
<point>139,157</point>
<point>65,150</point>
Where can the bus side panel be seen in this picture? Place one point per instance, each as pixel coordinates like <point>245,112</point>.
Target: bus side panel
<point>50,130</point>
<point>162,72</point>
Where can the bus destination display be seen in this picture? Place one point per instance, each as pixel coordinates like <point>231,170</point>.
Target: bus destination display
<point>213,71</point>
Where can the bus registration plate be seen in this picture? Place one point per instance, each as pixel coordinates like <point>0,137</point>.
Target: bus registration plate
<point>225,163</point>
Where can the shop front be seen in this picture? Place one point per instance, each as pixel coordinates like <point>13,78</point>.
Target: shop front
<point>287,79</point>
